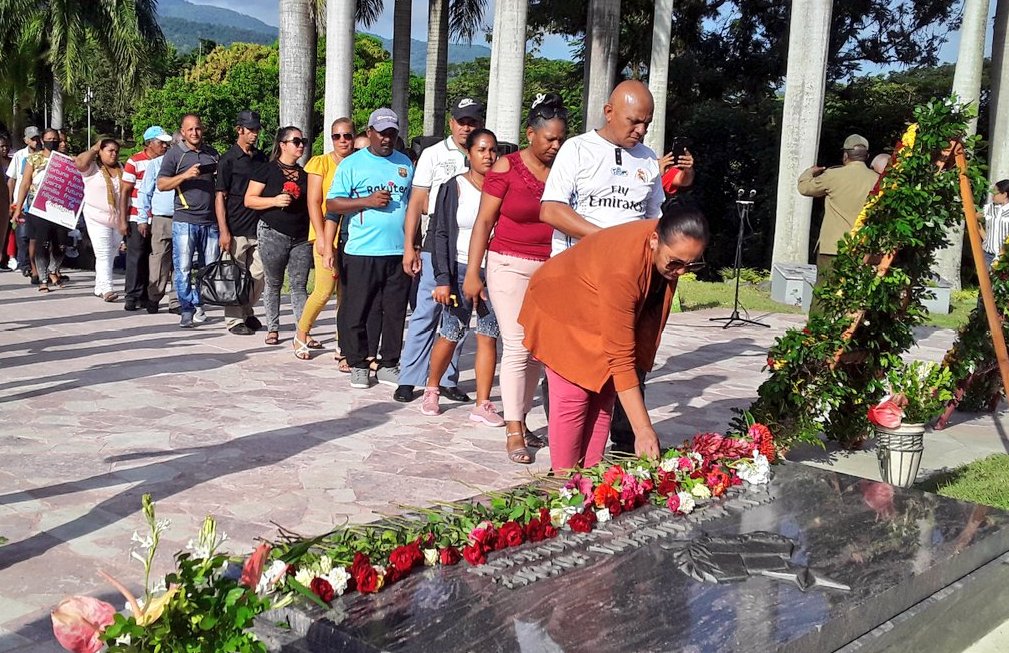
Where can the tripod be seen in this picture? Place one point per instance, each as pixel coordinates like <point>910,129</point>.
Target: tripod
<point>743,207</point>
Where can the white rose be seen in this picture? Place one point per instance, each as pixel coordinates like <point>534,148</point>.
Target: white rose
<point>603,514</point>
<point>430,557</point>
<point>338,578</point>
<point>558,517</point>
<point>668,465</point>
<point>701,491</point>
<point>686,502</point>
<point>304,576</point>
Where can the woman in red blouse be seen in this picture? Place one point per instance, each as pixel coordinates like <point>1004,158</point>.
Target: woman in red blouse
<point>510,208</point>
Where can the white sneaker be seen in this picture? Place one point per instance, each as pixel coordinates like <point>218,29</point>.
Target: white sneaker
<point>12,263</point>
<point>200,316</point>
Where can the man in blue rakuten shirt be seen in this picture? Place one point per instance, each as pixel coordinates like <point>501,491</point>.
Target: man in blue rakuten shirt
<point>371,191</point>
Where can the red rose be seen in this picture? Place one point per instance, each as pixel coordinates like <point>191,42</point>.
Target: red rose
<point>511,533</point>
<point>474,554</point>
<point>321,588</point>
<point>403,558</point>
<point>615,508</point>
<point>668,485</point>
<point>647,485</point>
<point>603,494</point>
<point>534,530</point>
<point>544,515</point>
<point>292,189</point>
<point>582,522</point>
<point>367,580</point>
<point>549,531</point>
<point>673,503</point>
<point>449,556</point>
<point>613,475</point>
<point>886,414</point>
<point>718,481</point>
<point>486,537</point>
<point>360,564</point>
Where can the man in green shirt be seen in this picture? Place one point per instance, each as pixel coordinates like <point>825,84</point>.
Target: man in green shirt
<point>845,188</point>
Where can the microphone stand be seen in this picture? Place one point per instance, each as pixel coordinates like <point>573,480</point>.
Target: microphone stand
<point>743,207</point>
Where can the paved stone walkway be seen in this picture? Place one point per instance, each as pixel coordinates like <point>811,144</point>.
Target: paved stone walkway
<point>98,406</point>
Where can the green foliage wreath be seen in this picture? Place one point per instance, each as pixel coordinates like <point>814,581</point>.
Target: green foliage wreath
<point>807,393</point>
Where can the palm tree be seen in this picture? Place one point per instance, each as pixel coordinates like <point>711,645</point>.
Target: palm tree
<point>463,18</point>
<point>507,69</point>
<point>658,72</point>
<point>59,32</point>
<point>298,38</point>
<point>401,17</point>
<point>601,35</point>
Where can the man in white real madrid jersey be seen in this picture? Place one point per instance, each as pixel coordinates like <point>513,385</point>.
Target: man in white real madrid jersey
<point>604,178</point>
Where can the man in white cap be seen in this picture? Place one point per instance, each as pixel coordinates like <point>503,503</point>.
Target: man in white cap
<point>133,223</point>
<point>438,163</point>
<point>33,143</point>
<point>371,191</point>
<point>845,188</point>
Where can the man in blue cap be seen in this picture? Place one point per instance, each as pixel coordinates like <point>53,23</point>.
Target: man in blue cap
<point>132,222</point>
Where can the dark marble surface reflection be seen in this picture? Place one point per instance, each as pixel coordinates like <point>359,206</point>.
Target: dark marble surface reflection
<point>893,547</point>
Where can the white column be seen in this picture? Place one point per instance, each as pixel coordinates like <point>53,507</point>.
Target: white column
<point>805,82</point>
<point>57,117</point>
<point>507,70</point>
<point>437,68</point>
<point>658,73</point>
<point>297,67</point>
<point>339,64</point>
<point>602,35</point>
<point>998,110</point>
<point>967,87</point>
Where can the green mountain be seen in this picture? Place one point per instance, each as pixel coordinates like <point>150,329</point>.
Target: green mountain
<point>185,23</point>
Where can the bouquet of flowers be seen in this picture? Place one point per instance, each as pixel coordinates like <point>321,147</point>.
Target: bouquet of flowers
<point>918,392</point>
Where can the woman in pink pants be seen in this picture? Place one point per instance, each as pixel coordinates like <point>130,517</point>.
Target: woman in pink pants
<point>510,208</point>
<point>595,319</point>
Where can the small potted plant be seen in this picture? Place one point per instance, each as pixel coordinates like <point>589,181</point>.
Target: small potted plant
<point>918,393</point>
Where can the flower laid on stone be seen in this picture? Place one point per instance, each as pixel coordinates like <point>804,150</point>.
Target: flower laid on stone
<point>682,480</point>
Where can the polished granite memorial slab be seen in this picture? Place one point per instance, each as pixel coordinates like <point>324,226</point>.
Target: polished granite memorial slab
<point>880,550</point>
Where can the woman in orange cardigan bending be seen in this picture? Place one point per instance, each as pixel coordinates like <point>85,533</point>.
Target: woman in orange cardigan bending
<point>594,315</point>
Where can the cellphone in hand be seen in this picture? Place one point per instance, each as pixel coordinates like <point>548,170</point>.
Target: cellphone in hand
<point>208,168</point>
<point>481,308</point>
<point>679,147</point>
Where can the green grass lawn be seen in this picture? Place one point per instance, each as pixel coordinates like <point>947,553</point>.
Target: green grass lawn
<point>696,295</point>
<point>984,481</point>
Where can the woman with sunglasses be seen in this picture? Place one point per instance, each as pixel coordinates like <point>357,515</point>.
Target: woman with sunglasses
<point>321,170</point>
<point>510,208</point>
<point>279,191</point>
<point>595,320</point>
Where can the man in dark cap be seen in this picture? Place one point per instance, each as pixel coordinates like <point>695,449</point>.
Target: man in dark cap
<point>845,188</point>
<point>237,223</point>
<point>437,164</point>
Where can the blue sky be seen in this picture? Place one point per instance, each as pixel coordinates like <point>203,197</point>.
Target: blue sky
<point>555,47</point>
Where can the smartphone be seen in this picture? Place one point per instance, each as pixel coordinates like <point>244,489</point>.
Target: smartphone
<point>208,168</point>
<point>481,308</point>
<point>679,147</point>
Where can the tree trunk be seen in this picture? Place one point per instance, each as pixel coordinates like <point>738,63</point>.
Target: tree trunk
<point>508,59</point>
<point>401,65</point>
<point>967,86</point>
<point>602,40</point>
<point>339,65</point>
<point>806,75</point>
<point>57,116</point>
<point>998,110</point>
<point>297,67</point>
<point>436,79</point>
<point>658,73</point>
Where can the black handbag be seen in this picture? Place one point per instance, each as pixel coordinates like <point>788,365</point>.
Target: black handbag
<point>225,282</point>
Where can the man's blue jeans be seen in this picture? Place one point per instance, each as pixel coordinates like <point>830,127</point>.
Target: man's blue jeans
<point>415,361</point>
<point>187,240</point>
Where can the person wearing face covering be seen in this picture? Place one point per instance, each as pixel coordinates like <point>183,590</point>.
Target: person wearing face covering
<point>49,237</point>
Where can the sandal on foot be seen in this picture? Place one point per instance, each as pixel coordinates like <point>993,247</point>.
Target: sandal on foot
<point>312,343</point>
<point>534,441</point>
<point>519,455</point>
<point>43,288</point>
<point>343,366</point>
<point>301,350</point>
<point>373,364</point>
<point>272,338</point>
<point>57,280</point>
<point>110,296</point>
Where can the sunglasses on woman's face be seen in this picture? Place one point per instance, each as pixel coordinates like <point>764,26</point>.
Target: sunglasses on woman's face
<point>339,136</point>
<point>297,142</point>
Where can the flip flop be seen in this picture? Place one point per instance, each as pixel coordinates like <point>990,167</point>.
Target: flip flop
<point>272,338</point>
<point>301,350</point>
